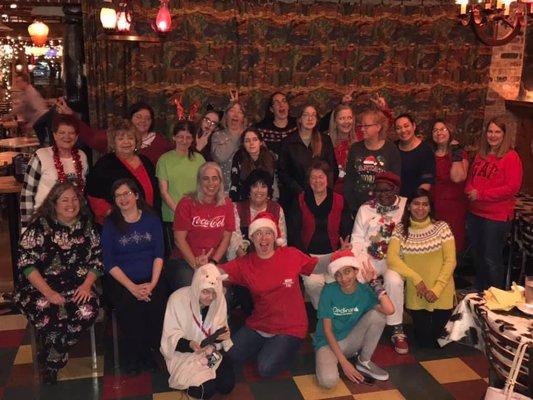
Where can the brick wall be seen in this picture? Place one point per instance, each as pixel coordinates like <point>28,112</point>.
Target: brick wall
<point>505,75</point>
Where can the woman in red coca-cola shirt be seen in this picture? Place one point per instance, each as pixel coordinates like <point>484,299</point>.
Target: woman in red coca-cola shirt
<point>203,223</point>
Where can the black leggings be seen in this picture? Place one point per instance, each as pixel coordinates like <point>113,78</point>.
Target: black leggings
<point>140,322</point>
<point>223,383</point>
<point>429,325</point>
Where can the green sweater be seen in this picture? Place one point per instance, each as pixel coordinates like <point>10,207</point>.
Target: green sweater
<point>178,173</point>
<point>428,254</point>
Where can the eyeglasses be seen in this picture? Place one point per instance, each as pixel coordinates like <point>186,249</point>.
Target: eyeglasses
<point>210,122</point>
<point>310,116</point>
<point>125,194</point>
<point>363,126</point>
<point>437,130</point>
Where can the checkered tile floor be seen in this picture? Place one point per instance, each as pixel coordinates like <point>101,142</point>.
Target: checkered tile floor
<point>454,372</point>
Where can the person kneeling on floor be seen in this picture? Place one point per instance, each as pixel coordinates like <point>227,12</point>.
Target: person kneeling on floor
<point>351,319</point>
<point>196,335</point>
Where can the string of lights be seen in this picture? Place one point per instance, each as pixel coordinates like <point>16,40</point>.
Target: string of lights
<point>17,52</point>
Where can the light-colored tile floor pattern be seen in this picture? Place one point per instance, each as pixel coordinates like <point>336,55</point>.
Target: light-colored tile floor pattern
<point>383,395</point>
<point>24,355</point>
<point>79,368</point>
<point>170,396</point>
<point>308,387</point>
<point>450,370</point>
<point>12,322</point>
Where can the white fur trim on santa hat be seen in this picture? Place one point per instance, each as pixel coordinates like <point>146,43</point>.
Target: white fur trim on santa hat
<point>259,223</point>
<point>341,262</point>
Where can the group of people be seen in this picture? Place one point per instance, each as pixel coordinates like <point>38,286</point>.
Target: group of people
<point>235,216</point>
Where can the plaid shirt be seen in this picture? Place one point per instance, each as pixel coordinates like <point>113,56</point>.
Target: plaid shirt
<point>29,190</point>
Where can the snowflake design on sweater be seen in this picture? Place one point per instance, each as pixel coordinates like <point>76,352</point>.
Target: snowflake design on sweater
<point>135,237</point>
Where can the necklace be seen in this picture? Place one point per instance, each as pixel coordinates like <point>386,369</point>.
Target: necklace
<point>61,176</point>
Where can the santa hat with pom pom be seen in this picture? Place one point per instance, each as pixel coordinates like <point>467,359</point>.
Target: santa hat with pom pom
<point>265,219</point>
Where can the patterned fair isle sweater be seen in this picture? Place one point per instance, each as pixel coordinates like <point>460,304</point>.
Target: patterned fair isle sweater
<point>428,254</point>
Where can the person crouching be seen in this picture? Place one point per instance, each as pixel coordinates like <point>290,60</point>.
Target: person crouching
<point>351,319</point>
<point>196,337</point>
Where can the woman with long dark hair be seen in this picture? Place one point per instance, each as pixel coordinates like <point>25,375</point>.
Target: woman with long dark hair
<point>277,124</point>
<point>493,181</point>
<point>299,151</point>
<point>422,251</point>
<point>132,243</point>
<point>418,161</point>
<point>252,155</point>
<point>59,261</point>
<point>176,172</point>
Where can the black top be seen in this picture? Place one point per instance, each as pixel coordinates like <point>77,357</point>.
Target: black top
<point>109,168</point>
<point>418,167</point>
<point>362,167</point>
<point>295,159</point>
<point>273,135</point>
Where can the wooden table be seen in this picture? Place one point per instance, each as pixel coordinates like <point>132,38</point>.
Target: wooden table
<point>6,157</point>
<point>19,142</point>
<point>11,188</point>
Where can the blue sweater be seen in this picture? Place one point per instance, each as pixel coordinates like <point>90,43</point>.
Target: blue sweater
<point>135,250</point>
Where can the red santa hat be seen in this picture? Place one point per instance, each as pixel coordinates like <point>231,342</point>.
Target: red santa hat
<point>340,259</point>
<point>265,219</point>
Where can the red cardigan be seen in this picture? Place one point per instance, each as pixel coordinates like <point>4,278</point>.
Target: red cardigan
<point>334,221</point>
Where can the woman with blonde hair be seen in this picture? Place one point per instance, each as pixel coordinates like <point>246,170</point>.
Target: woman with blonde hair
<point>226,142</point>
<point>203,223</point>
<point>373,155</point>
<point>123,161</point>
<point>493,181</point>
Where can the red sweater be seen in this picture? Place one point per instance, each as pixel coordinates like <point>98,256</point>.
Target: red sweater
<point>497,181</point>
<point>275,287</point>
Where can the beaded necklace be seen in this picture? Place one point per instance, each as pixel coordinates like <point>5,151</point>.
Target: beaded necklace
<point>61,176</point>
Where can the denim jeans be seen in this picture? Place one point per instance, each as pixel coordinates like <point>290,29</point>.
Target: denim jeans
<point>274,354</point>
<point>488,238</point>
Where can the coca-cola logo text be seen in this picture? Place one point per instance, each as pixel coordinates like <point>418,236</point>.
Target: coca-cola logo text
<point>216,222</point>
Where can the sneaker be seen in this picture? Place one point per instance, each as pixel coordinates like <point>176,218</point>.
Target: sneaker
<point>371,369</point>
<point>399,342</point>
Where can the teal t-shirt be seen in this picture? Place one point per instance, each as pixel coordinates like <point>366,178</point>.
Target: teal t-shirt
<point>344,310</point>
<point>180,173</point>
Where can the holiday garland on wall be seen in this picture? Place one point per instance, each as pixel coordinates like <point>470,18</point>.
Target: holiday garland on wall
<point>18,54</point>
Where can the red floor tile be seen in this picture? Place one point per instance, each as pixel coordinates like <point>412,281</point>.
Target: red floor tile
<point>11,338</point>
<point>467,390</point>
<point>478,363</point>
<point>385,356</point>
<point>21,375</point>
<point>116,387</point>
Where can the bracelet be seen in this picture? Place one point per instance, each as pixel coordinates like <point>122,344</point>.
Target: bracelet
<point>213,261</point>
